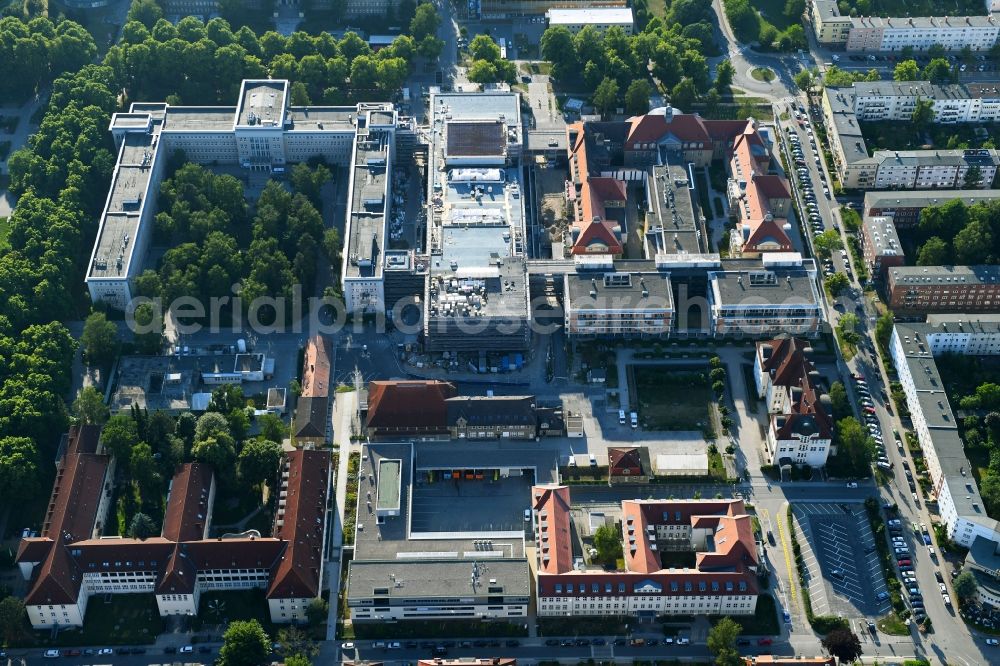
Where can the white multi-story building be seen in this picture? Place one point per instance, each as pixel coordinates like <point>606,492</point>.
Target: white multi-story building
<point>600,18</point>
<point>70,562</point>
<point>913,347</point>
<point>874,34</point>
<point>617,304</point>
<point>263,132</point>
<point>896,100</point>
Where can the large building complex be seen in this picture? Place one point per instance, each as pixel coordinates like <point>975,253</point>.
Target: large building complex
<point>723,580</point>
<point>875,34</point>
<point>915,290</point>
<point>898,169</point>
<point>73,559</point>
<point>263,132</point>
<point>412,561</point>
<point>904,207</point>
<point>913,348</point>
<point>476,293</point>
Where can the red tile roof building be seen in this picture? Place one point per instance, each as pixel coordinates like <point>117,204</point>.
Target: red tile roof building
<point>411,408</point>
<point>759,200</point>
<point>722,581</point>
<point>604,155</point>
<point>312,409</point>
<point>801,428</point>
<point>71,561</point>
<point>628,464</point>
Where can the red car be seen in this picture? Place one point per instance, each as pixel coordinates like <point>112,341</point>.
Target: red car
<point>904,563</point>
<point>71,653</point>
<point>764,641</point>
<point>870,410</point>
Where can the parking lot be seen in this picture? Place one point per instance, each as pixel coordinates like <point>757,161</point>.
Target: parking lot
<point>844,575</point>
<point>470,506</point>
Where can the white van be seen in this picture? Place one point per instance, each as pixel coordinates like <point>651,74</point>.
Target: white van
<point>635,420</point>
<point>621,417</point>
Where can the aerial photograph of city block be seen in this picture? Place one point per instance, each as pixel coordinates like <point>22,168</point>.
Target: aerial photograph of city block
<point>499,332</point>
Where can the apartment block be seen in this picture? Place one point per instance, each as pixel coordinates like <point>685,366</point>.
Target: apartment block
<point>913,347</point>
<point>896,100</point>
<point>880,246</point>
<point>904,207</point>
<point>617,304</point>
<point>875,34</point>
<point>505,9</point>
<point>914,290</point>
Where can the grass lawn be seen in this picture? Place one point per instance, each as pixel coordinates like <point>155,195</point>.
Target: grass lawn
<point>127,619</point>
<point>764,621</point>
<point>671,399</point>
<point>774,12</point>
<point>892,625</point>
<point>437,629</point>
<point>762,74</point>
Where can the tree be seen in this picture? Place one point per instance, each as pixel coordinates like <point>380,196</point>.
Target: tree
<point>142,527</point>
<point>217,450</point>
<point>317,611</point>
<point>100,339</point>
<point>245,643</point>
<point>297,660</point>
<point>965,585</point>
<point>973,244</point>
<point>847,327</point>
<point>557,47</point>
<point>208,425</point>
<point>226,398</point>
<point>608,542</point>
<point>120,434</point>
<point>724,76</point>
<point>906,70</point>
<point>684,94</point>
<point>143,467</point>
<point>258,461</point>
<point>838,400</point>
<point>606,96</point>
<point>923,113</point>
<point>938,70</point>
<point>89,407</point>
<point>972,180</point>
<point>827,243</point>
<point>883,329</point>
<point>482,71</point>
<point>843,644</point>
<point>837,283</point>
<point>19,478</point>
<point>149,327</point>
<point>295,642</point>
<point>804,80</point>
<point>854,445</point>
<point>934,252</point>
<point>482,47</point>
<point>146,12</point>
<point>722,642</point>
<point>425,21</point>
<point>637,97</point>
<point>12,616</point>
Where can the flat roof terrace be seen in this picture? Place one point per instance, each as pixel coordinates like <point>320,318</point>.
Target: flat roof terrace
<point>369,185</point>
<point>387,497</point>
<point>319,118</point>
<point>128,194</point>
<point>199,119</point>
<point>262,103</point>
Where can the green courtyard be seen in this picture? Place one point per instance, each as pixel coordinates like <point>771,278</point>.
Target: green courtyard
<point>673,398</point>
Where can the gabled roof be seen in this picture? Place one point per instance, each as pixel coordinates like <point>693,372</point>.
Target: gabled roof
<point>516,410</point>
<point>300,523</point>
<point>311,416</point>
<point>622,458</point>
<point>766,232</point>
<point>187,504</point>
<point>408,404</point>
<point>772,186</point>
<point>551,508</point>
<point>652,127</point>
<point>316,368</point>
<point>734,545</point>
<point>787,363</point>
<point>597,238</point>
<point>608,189</point>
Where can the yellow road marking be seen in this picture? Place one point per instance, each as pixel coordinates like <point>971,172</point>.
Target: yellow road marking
<point>793,574</point>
